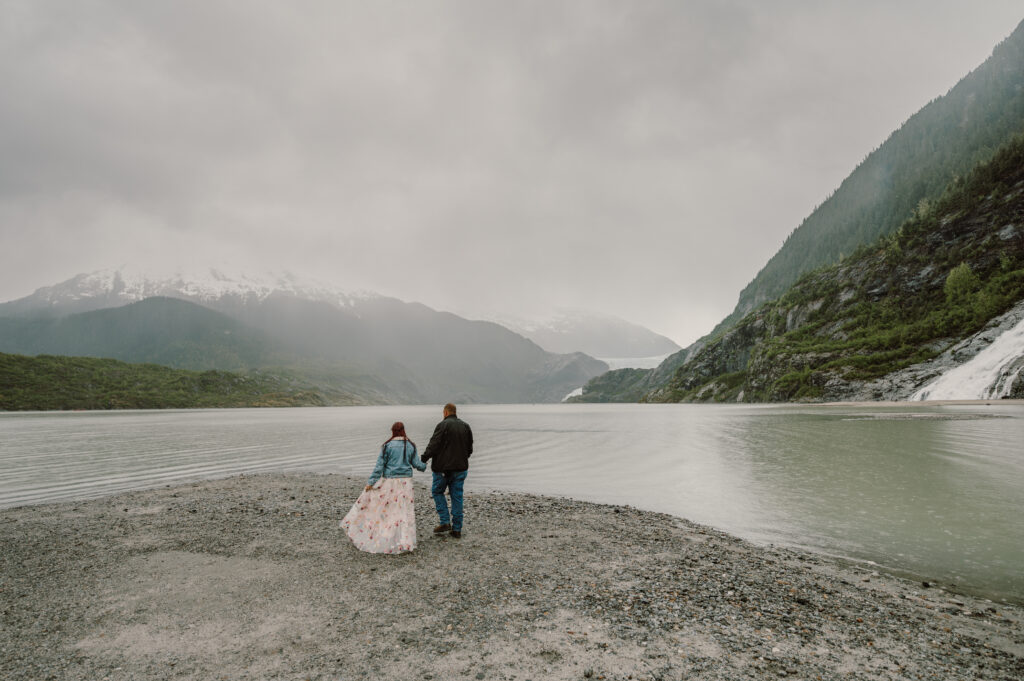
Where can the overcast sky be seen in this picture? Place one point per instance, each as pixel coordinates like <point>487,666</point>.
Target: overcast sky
<point>642,159</point>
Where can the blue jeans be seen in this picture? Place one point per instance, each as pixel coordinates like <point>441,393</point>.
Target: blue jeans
<point>452,481</point>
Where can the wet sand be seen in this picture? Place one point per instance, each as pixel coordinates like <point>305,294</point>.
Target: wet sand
<point>250,578</point>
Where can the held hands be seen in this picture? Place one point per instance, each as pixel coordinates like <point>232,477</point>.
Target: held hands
<point>368,488</point>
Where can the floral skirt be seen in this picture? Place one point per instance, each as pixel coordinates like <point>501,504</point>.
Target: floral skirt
<point>383,519</point>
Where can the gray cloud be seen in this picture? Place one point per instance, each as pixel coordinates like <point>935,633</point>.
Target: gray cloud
<point>642,159</point>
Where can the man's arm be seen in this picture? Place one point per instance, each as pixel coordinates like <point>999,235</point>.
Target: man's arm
<point>436,442</point>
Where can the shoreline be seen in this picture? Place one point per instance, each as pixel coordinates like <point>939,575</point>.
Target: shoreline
<point>423,494</point>
<point>994,402</point>
<point>249,577</point>
<point>991,402</point>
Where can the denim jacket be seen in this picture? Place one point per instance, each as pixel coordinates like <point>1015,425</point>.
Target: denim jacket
<point>396,460</point>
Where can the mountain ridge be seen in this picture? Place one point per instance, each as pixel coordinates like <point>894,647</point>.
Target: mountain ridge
<point>114,287</point>
<point>166,331</point>
<point>945,139</point>
<point>381,349</point>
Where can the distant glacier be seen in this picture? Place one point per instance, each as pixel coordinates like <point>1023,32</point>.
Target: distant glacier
<point>634,362</point>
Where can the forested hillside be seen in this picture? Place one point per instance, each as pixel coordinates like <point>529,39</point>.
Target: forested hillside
<point>175,333</point>
<point>940,277</point>
<point>53,383</point>
<point>943,141</point>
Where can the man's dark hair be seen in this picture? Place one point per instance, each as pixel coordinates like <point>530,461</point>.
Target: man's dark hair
<point>450,408</point>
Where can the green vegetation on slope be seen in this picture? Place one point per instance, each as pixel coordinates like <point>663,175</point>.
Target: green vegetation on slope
<point>944,140</point>
<point>165,331</point>
<point>942,276</point>
<point>51,383</point>
<point>618,385</point>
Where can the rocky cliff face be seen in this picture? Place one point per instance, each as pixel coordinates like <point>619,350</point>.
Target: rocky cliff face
<point>905,383</point>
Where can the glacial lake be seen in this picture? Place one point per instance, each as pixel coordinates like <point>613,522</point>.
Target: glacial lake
<point>932,492</point>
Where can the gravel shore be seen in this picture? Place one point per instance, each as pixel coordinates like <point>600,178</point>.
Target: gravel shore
<point>250,578</point>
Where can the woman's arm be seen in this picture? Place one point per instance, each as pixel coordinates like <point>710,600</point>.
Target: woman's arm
<point>416,462</point>
<point>378,470</point>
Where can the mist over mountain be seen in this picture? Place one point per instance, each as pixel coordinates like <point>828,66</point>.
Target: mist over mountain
<point>165,331</point>
<point>598,335</point>
<point>379,348</point>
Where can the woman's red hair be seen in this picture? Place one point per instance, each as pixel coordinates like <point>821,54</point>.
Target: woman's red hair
<point>398,430</point>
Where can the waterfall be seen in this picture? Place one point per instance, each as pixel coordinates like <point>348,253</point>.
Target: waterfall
<point>989,375</point>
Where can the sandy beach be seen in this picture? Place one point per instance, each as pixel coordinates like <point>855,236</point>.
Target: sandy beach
<point>250,578</point>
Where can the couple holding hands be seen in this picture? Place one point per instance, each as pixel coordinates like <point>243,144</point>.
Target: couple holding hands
<point>383,520</point>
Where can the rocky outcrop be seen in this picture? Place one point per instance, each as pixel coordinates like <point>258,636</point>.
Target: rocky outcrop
<point>728,354</point>
<point>903,384</point>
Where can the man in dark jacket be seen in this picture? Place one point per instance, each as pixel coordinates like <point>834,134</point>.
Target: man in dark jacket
<point>450,447</point>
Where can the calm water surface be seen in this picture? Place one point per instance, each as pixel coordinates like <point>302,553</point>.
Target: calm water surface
<point>934,492</point>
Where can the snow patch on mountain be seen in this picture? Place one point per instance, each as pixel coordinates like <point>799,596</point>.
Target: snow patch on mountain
<point>127,284</point>
<point>634,362</point>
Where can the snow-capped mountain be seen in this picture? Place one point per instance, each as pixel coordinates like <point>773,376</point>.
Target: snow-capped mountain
<point>377,348</point>
<point>609,338</point>
<point>124,285</point>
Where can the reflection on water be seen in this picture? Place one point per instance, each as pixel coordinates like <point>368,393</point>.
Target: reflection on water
<point>936,492</point>
<point>939,497</point>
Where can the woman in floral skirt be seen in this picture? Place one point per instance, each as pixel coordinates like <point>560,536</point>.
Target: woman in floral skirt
<point>383,520</point>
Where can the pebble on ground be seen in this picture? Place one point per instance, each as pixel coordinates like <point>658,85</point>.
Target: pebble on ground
<point>251,578</point>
